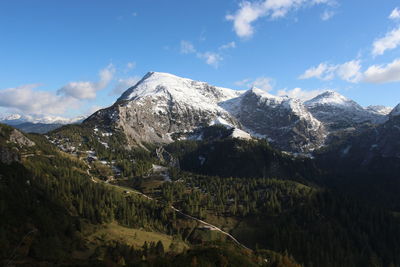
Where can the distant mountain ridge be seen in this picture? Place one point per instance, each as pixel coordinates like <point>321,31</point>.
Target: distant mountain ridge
<point>38,124</point>
<point>163,107</point>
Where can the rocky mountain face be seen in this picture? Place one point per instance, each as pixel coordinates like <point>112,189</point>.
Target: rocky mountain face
<point>284,121</point>
<point>374,146</point>
<point>383,140</point>
<point>162,108</point>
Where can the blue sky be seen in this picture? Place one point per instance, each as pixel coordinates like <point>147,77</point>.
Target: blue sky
<point>68,58</point>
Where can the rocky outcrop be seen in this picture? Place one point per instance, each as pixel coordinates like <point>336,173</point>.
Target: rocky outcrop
<point>11,142</point>
<point>19,139</point>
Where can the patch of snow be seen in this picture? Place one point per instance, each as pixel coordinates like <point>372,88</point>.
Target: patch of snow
<point>159,168</point>
<point>221,121</point>
<point>104,144</point>
<point>240,134</point>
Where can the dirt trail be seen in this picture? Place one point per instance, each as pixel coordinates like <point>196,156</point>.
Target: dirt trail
<point>210,226</point>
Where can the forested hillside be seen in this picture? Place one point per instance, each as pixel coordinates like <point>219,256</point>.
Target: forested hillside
<point>57,212</point>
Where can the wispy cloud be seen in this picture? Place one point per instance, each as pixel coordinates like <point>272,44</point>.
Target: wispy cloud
<point>348,71</point>
<point>389,42</point>
<point>130,66</point>
<point>228,46</point>
<point>323,72</point>
<point>249,12</point>
<point>187,47</point>
<point>395,14</point>
<point>300,93</point>
<point>327,15</point>
<point>210,58</point>
<point>88,89</point>
<point>263,82</point>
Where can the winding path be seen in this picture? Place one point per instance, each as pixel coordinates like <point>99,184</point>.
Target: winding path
<point>211,226</point>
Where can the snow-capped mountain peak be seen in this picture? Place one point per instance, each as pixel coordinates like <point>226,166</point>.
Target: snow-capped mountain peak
<point>331,98</point>
<point>180,89</point>
<point>162,107</point>
<point>338,112</point>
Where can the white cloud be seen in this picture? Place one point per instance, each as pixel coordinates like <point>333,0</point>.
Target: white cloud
<point>227,46</point>
<point>264,83</point>
<point>27,100</point>
<point>395,14</point>
<point>211,58</point>
<point>299,93</point>
<point>123,84</point>
<point>244,82</point>
<point>187,47</point>
<point>327,15</point>
<point>86,89</point>
<point>389,42</point>
<point>249,12</point>
<point>349,71</point>
<point>383,73</point>
<point>323,71</point>
<point>244,17</point>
